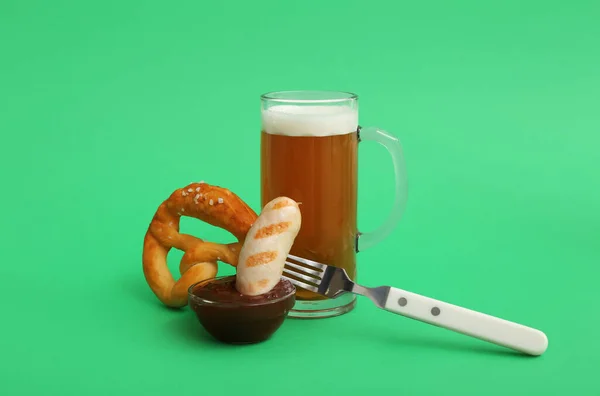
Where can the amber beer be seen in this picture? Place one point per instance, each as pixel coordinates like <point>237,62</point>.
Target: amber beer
<point>320,173</point>
<point>310,155</point>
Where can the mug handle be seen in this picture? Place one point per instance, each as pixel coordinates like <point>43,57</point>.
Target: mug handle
<point>368,239</point>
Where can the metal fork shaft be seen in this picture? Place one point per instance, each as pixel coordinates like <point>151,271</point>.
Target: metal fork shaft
<point>377,294</point>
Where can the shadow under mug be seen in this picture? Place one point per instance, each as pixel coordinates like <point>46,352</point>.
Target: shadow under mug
<point>309,152</point>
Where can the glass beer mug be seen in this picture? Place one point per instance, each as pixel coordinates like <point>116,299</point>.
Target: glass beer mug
<point>309,152</point>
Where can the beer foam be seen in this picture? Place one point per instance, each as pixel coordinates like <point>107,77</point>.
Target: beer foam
<point>292,120</point>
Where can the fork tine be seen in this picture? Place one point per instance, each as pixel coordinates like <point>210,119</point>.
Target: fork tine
<point>311,263</point>
<point>303,277</point>
<point>301,284</point>
<point>305,270</point>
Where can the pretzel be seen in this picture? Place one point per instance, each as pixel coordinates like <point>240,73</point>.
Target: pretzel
<point>212,204</point>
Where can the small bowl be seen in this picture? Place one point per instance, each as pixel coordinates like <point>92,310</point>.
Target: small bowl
<point>235,319</point>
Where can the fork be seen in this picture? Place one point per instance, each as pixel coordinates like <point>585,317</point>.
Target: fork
<point>332,282</point>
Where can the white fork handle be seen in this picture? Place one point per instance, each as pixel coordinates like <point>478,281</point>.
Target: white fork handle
<point>471,323</point>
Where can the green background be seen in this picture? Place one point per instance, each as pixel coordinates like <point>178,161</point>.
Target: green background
<point>107,107</point>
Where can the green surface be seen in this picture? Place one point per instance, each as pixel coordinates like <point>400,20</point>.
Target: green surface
<point>107,107</point>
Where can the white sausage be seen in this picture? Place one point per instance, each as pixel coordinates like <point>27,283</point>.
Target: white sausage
<point>266,247</point>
